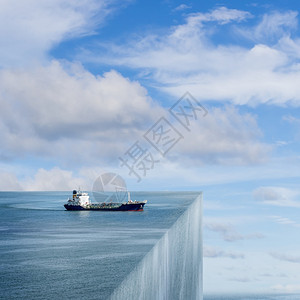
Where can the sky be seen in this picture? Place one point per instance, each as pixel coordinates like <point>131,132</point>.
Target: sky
<point>171,95</point>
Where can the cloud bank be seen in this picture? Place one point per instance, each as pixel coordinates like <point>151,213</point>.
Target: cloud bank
<point>212,252</point>
<point>30,29</point>
<point>229,234</point>
<point>286,257</point>
<point>71,114</point>
<point>278,196</point>
<point>261,68</point>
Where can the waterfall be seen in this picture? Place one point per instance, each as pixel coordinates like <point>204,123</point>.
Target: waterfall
<point>172,270</point>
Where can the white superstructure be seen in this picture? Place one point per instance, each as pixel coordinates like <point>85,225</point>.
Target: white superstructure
<point>79,198</point>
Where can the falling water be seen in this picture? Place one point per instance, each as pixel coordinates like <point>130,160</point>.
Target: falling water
<point>173,268</point>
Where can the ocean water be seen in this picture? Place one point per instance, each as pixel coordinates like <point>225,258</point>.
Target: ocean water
<point>49,253</point>
<point>172,269</point>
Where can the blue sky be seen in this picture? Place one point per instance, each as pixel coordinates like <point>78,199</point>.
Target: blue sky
<point>81,82</point>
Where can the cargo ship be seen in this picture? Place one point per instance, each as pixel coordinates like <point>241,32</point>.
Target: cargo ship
<point>81,201</point>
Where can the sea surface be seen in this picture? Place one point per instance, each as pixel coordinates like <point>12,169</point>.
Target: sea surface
<point>49,253</point>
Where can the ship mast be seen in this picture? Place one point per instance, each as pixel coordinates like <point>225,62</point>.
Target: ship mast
<point>128,193</point>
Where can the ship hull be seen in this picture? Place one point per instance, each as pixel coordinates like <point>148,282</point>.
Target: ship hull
<point>122,207</point>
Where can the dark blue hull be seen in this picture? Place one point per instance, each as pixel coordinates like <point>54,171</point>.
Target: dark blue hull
<point>122,207</point>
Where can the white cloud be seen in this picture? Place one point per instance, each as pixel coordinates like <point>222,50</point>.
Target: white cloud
<point>222,15</point>
<point>272,27</point>
<point>74,115</point>
<point>181,7</point>
<point>278,196</point>
<point>229,234</point>
<point>286,257</point>
<point>193,28</point>
<point>284,221</point>
<point>28,29</point>
<point>212,252</point>
<point>290,46</point>
<point>291,119</point>
<point>223,136</point>
<point>186,59</point>
<point>63,111</point>
<point>286,288</point>
<point>283,275</point>
<point>53,180</point>
<point>9,182</point>
<point>183,174</point>
<point>242,279</point>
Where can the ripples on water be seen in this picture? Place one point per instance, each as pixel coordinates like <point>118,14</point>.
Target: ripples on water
<point>49,253</point>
